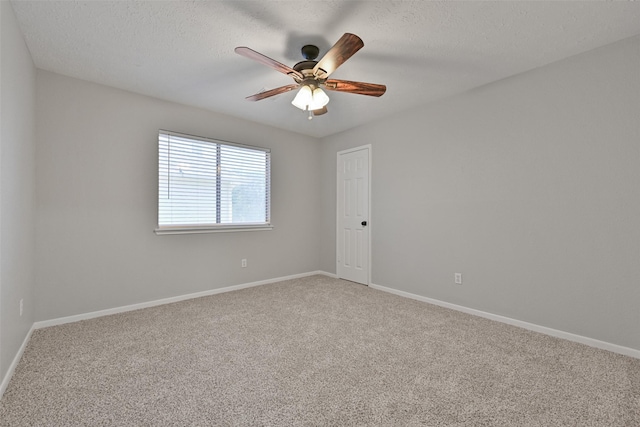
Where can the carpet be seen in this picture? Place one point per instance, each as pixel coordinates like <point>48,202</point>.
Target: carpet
<point>314,351</point>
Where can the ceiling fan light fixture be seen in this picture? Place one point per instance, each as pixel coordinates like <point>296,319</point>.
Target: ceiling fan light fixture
<point>308,99</point>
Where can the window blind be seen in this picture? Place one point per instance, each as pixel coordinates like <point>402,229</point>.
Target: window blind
<point>205,182</point>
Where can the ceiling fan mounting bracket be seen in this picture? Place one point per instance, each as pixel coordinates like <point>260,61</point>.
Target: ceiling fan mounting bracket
<point>310,52</point>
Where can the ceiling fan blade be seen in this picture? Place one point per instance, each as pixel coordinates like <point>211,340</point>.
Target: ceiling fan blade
<point>320,111</point>
<point>265,60</point>
<point>360,88</point>
<point>272,92</point>
<point>337,55</point>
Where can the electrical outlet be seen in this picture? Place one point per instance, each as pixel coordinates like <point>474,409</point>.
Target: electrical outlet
<point>21,306</point>
<point>457,278</point>
<point>244,262</point>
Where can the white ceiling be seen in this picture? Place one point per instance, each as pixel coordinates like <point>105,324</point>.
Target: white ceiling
<point>182,51</point>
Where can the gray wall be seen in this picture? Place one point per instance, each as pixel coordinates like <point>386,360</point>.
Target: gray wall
<point>528,186</point>
<point>97,202</point>
<point>17,201</point>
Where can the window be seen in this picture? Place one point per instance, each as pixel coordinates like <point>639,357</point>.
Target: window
<point>206,185</point>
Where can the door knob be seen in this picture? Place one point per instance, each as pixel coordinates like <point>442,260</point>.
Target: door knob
<point>364,223</point>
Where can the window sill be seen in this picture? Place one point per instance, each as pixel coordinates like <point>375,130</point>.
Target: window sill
<point>212,229</point>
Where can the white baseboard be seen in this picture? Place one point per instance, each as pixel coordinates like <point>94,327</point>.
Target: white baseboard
<point>324,273</point>
<point>14,363</point>
<point>122,309</point>
<point>627,351</point>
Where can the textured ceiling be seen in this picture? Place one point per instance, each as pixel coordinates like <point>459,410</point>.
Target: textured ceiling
<point>182,51</point>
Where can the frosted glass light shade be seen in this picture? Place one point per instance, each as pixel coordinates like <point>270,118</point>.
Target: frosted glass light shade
<point>310,100</point>
<point>303,98</point>
<point>320,99</point>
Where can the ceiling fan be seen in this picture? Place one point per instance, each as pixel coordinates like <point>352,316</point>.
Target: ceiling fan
<point>311,76</point>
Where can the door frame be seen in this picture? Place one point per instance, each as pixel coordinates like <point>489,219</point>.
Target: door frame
<point>369,149</point>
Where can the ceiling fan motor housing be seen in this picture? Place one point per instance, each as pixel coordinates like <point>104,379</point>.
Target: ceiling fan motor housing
<point>310,53</point>
<point>306,69</point>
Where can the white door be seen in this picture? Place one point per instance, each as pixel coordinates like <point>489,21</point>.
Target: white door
<point>353,215</point>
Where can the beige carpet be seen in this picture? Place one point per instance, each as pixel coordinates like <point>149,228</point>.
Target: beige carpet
<point>314,352</point>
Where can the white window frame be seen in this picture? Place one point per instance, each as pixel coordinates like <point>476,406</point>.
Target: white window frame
<point>213,228</point>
